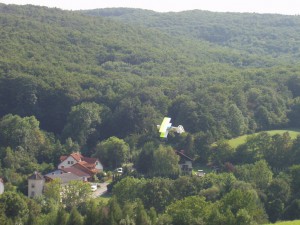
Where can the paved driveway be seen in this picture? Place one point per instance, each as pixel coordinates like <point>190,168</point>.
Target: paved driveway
<point>100,190</point>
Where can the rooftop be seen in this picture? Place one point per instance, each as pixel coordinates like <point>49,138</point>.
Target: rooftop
<point>64,177</point>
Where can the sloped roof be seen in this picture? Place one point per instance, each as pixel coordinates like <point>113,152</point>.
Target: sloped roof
<point>36,176</point>
<point>181,154</point>
<point>90,160</point>
<point>78,157</point>
<point>84,167</point>
<point>63,157</point>
<point>64,177</point>
<point>76,171</point>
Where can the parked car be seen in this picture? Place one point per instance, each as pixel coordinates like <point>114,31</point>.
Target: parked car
<point>94,187</point>
<point>119,170</point>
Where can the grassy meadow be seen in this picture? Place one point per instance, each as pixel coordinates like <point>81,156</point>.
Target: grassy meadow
<point>295,222</point>
<point>242,139</point>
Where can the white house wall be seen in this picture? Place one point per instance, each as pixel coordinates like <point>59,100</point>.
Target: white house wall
<point>68,162</point>
<point>99,166</point>
<point>35,188</point>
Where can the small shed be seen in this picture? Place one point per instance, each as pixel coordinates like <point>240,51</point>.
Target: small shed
<point>185,163</point>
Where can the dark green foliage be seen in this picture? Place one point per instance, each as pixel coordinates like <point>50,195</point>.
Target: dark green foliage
<point>254,33</point>
<point>82,122</point>
<point>69,80</point>
<point>75,218</point>
<point>62,217</point>
<point>14,206</point>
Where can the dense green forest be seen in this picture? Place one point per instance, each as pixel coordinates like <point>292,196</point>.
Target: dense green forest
<point>100,81</point>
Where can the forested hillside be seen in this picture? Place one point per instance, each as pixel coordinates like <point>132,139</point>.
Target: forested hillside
<point>100,81</point>
<point>262,34</point>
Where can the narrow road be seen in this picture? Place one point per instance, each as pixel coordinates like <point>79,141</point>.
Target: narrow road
<point>100,190</point>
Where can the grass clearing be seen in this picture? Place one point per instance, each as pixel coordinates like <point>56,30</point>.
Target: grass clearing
<point>235,142</point>
<point>295,222</point>
<point>104,198</point>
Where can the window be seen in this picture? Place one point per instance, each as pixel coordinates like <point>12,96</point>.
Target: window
<point>69,162</point>
<point>32,185</point>
<point>32,194</point>
<point>72,162</point>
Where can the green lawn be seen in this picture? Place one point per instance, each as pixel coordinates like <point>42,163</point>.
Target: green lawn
<point>295,222</point>
<point>240,140</point>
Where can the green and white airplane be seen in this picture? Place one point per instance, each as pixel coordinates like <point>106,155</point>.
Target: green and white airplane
<point>166,126</point>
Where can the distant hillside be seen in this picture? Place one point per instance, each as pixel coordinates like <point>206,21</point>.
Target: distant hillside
<point>51,60</point>
<point>267,34</point>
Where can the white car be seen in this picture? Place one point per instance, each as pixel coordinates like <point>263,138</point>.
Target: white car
<point>119,170</point>
<point>94,187</point>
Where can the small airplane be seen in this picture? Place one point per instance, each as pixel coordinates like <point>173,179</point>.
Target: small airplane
<point>166,126</point>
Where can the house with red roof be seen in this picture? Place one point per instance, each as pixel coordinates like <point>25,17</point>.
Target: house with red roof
<point>88,165</point>
<point>71,167</point>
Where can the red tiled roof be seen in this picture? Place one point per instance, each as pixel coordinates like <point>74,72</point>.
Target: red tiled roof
<point>83,168</point>
<point>89,160</point>
<point>77,156</point>
<point>63,157</point>
<point>85,164</point>
<point>76,171</point>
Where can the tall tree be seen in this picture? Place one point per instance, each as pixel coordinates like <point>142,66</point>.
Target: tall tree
<point>82,122</point>
<point>113,152</point>
<point>74,193</point>
<point>25,132</point>
<point>75,218</point>
<point>236,121</point>
<point>165,162</point>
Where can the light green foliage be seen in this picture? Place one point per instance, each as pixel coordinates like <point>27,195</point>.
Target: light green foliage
<point>165,162</point>
<point>113,152</point>
<point>295,222</point>
<point>62,217</point>
<point>16,131</point>
<point>259,174</point>
<point>128,189</point>
<point>52,190</point>
<point>141,215</point>
<point>237,123</point>
<point>190,210</point>
<point>75,218</point>
<point>244,206</point>
<point>115,212</point>
<point>157,193</point>
<point>74,193</point>
<point>235,142</point>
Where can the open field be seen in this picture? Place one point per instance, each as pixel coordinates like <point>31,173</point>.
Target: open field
<point>295,222</point>
<point>240,140</point>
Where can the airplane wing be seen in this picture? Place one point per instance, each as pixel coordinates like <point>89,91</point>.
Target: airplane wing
<point>164,134</point>
<point>165,125</point>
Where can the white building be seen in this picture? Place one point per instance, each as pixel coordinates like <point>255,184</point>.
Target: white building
<point>35,185</point>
